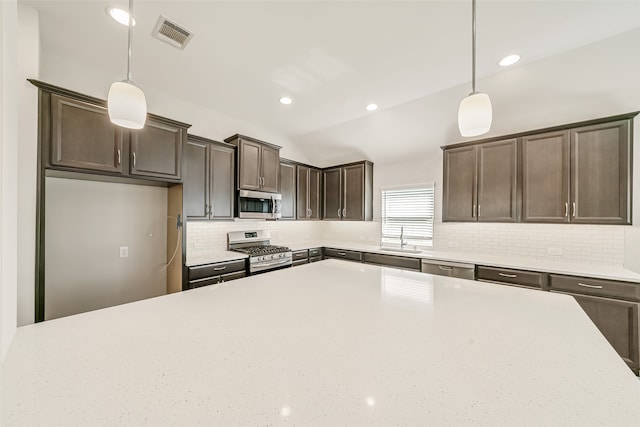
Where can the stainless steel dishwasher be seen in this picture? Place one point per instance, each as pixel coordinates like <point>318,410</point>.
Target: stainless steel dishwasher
<point>448,268</point>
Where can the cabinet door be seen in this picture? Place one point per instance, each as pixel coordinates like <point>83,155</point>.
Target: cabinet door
<point>600,173</point>
<point>459,184</point>
<point>156,150</point>
<point>270,169</point>
<point>332,194</point>
<point>353,193</point>
<point>545,177</point>
<point>618,322</point>
<point>288,190</point>
<point>221,175</point>
<point>196,180</point>
<point>314,193</point>
<point>303,192</point>
<point>497,181</point>
<point>249,159</point>
<point>84,137</point>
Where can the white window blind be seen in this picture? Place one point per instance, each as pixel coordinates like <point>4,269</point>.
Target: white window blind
<point>410,209</point>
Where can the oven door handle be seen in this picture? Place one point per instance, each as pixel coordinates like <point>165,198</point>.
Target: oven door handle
<point>271,264</point>
<point>273,207</point>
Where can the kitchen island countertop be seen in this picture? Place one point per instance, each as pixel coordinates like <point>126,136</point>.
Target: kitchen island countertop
<point>330,343</point>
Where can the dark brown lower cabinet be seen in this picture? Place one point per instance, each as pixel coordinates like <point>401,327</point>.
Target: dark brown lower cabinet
<point>392,261</point>
<point>343,254</point>
<point>618,322</point>
<point>299,257</point>
<point>212,274</point>
<point>529,279</point>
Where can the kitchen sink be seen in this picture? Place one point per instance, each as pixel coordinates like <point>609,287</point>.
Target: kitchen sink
<point>405,250</point>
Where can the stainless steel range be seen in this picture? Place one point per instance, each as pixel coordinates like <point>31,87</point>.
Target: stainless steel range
<point>263,256</point>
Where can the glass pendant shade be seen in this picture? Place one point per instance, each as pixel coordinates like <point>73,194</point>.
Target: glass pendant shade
<point>475,115</point>
<point>127,105</point>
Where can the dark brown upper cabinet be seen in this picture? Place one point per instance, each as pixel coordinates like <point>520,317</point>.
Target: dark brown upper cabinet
<point>309,195</point>
<point>288,189</point>
<point>209,170</point>
<point>545,177</point>
<point>348,192</point>
<point>156,150</point>
<point>480,182</point>
<point>601,173</point>
<point>83,137</point>
<point>578,173</point>
<point>258,164</point>
<point>76,135</point>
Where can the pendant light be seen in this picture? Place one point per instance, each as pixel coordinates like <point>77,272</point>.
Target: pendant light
<point>475,113</point>
<point>126,102</point>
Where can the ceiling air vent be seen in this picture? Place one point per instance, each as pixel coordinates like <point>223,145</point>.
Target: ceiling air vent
<point>172,33</point>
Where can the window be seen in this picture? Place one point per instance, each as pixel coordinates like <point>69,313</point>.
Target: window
<point>408,210</point>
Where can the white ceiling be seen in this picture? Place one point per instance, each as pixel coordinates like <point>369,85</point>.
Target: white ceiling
<point>331,57</point>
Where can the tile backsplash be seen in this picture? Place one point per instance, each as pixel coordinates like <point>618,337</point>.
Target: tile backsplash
<point>207,236</point>
<point>601,244</point>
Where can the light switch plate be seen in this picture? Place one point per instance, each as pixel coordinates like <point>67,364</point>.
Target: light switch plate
<point>124,251</point>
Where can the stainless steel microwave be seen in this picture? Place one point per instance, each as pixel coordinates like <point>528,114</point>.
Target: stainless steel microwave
<point>259,205</point>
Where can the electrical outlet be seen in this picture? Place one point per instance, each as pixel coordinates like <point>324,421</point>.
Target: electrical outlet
<point>554,251</point>
<point>124,251</point>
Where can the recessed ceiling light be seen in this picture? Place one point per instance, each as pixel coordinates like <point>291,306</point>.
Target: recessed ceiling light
<point>509,60</point>
<point>120,16</point>
<point>372,107</point>
<point>285,100</point>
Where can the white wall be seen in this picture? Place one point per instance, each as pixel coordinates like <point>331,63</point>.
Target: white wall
<point>86,224</point>
<point>8,173</point>
<point>28,67</point>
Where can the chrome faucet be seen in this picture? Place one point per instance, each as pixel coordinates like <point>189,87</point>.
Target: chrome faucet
<point>402,237</point>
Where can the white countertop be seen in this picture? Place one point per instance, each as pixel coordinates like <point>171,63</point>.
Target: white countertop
<point>324,344</point>
<point>602,271</point>
<point>208,257</point>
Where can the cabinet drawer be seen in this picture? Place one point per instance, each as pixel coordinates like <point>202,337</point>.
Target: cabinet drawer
<point>315,252</point>
<point>298,255</point>
<point>211,270</point>
<point>233,276</point>
<point>315,259</point>
<point>198,283</point>
<point>597,287</point>
<point>339,253</point>
<point>516,277</point>
<point>393,261</point>
<point>299,262</point>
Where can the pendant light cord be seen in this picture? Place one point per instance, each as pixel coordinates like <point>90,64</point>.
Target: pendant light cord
<point>473,47</point>
<point>130,31</point>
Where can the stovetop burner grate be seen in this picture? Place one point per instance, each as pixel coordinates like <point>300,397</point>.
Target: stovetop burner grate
<point>262,249</point>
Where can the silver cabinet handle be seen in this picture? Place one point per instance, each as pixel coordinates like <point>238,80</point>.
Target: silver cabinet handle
<point>342,254</point>
<point>473,211</point>
<point>507,275</point>
<point>134,159</point>
<point>206,208</point>
<point>339,212</point>
<point>344,212</point>
<point>584,285</point>
<point>478,211</point>
<point>445,268</point>
<point>224,267</point>
<point>210,209</point>
<point>573,208</point>
<point>119,160</point>
<point>566,208</point>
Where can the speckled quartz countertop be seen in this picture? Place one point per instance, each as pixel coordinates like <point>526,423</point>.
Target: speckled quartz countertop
<point>333,343</point>
<point>602,271</point>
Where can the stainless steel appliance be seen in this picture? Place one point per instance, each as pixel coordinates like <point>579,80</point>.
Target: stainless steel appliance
<point>448,268</point>
<point>263,256</point>
<point>259,205</point>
